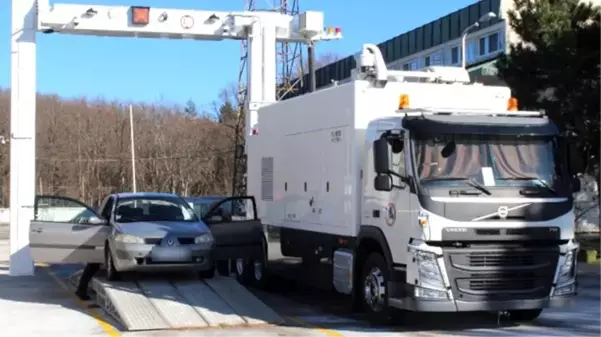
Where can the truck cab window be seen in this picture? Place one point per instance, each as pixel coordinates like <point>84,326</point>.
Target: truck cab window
<point>398,155</point>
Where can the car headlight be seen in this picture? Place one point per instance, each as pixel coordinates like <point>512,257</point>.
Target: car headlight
<point>126,238</point>
<point>429,275</point>
<point>205,238</point>
<point>568,269</point>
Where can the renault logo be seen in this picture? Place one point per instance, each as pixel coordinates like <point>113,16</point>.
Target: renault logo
<point>170,242</point>
<point>503,211</point>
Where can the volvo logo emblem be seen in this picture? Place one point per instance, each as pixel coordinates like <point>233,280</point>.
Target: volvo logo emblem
<point>503,211</point>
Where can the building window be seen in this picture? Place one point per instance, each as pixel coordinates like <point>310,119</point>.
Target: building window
<point>411,65</point>
<point>427,61</point>
<point>436,59</point>
<point>482,49</point>
<point>471,51</point>
<point>490,44</point>
<point>455,55</point>
<point>493,43</point>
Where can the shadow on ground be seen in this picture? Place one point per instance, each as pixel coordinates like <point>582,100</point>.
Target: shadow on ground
<point>320,306</point>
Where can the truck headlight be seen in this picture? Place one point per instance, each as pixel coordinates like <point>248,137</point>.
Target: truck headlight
<point>205,238</point>
<point>429,275</point>
<point>568,269</point>
<point>126,238</point>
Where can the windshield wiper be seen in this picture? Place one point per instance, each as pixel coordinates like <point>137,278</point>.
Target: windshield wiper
<point>471,181</point>
<point>542,183</point>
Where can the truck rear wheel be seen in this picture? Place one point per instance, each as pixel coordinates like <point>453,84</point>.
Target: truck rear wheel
<point>524,315</point>
<point>253,272</point>
<point>374,282</point>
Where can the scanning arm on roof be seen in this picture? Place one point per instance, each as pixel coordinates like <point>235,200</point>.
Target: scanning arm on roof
<point>371,65</point>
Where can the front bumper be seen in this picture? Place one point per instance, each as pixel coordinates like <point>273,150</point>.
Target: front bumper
<point>422,305</point>
<point>142,257</point>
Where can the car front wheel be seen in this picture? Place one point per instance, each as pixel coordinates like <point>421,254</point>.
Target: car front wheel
<point>207,274</point>
<point>111,272</point>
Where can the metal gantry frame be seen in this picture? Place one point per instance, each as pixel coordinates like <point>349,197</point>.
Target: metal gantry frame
<point>260,29</point>
<point>289,58</point>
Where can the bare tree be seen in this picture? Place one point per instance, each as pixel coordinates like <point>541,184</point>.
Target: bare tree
<point>83,146</point>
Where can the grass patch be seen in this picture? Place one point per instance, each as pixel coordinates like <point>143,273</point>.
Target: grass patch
<point>590,244</point>
<point>590,250</point>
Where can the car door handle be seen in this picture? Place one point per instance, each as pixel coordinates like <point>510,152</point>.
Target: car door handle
<point>36,230</point>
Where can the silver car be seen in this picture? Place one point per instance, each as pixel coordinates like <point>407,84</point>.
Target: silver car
<point>144,232</point>
<point>155,232</point>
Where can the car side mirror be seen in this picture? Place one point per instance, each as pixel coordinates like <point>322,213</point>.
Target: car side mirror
<point>381,156</point>
<point>383,182</point>
<point>94,220</point>
<point>576,185</point>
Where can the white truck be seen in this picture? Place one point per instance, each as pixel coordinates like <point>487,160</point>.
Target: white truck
<point>421,190</point>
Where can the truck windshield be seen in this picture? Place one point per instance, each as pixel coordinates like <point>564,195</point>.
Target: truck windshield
<point>514,161</point>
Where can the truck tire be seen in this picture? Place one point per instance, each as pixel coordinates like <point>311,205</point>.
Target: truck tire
<point>374,284</point>
<point>253,272</point>
<point>524,315</point>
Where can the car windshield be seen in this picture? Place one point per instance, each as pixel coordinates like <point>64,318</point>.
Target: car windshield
<point>508,161</point>
<point>154,209</point>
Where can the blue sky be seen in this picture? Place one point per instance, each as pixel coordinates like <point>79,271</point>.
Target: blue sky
<point>174,71</point>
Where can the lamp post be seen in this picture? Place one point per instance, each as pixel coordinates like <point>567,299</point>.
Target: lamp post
<point>484,18</point>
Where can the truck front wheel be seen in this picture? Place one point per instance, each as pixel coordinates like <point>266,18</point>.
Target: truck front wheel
<point>375,293</point>
<point>524,315</point>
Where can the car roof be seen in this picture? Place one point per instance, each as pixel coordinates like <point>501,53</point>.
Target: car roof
<point>146,195</point>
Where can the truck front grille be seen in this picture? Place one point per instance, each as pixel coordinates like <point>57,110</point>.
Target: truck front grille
<point>500,273</point>
<point>495,259</point>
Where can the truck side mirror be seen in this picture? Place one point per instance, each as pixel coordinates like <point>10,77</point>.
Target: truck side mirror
<point>575,158</point>
<point>381,156</point>
<point>383,182</point>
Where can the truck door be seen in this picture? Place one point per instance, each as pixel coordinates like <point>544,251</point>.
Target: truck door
<point>65,230</point>
<point>237,230</point>
<point>399,215</point>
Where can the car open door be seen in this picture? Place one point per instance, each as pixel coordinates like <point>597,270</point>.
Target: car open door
<point>237,231</point>
<point>65,230</point>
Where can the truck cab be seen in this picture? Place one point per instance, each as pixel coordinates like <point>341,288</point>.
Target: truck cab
<point>477,206</point>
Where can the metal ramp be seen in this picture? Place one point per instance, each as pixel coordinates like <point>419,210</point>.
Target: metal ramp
<point>180,304</point>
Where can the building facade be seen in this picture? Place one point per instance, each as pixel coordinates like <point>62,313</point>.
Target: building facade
<point>438,43</point>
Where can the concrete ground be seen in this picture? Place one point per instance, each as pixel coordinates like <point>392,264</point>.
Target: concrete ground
<point>43,305</point>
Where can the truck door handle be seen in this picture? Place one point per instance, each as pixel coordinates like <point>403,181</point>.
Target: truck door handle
<point>36,230</point>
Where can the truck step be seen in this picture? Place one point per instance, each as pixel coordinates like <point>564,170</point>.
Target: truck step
<point>182,304</point>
